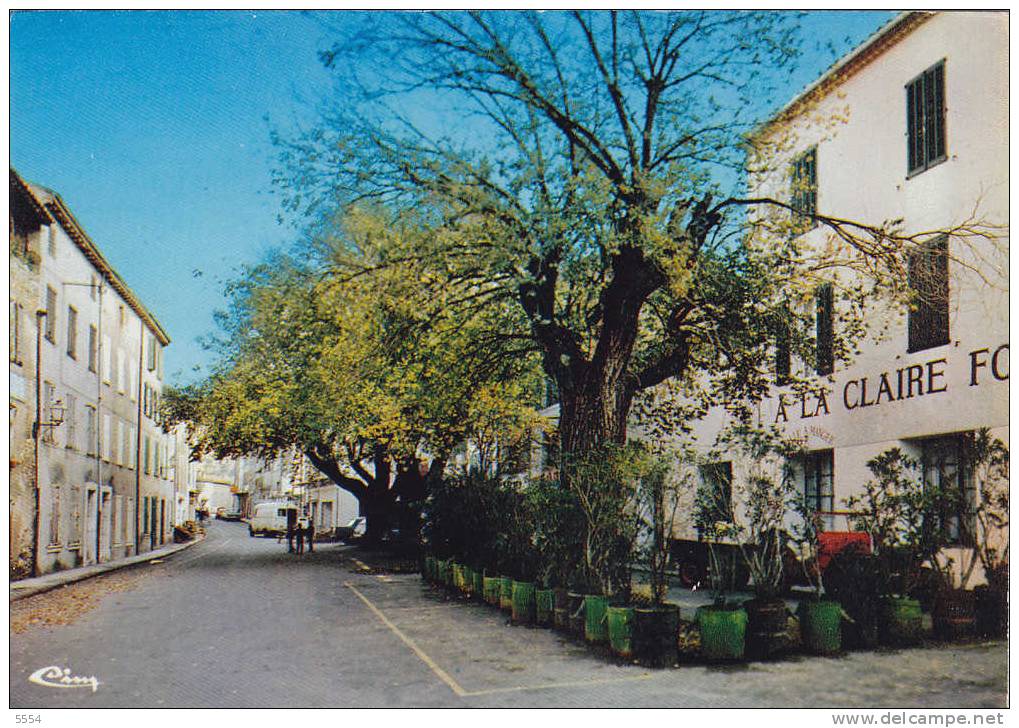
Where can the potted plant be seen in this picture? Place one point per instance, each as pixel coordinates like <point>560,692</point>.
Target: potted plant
<point>758,530</point>
<point>989,461</point>
<point>820,616</point>
<point>723,623</point>
<point>557,528</point>
<point>901,515</point>
<point>655,625</point>
<point>602,484</point>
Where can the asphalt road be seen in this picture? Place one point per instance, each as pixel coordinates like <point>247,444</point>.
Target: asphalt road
<point>237,622</point>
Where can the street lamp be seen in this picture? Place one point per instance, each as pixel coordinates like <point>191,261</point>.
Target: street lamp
<point>56,417</point>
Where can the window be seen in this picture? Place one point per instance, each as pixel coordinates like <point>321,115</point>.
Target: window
<point>715,495</point>
<point>126,504</point>
<point>151,359</point>
<point>72,332</point>
<point>93,348</point>
<point>818,484</point>
<point>803,198</point>
<point>121,372</point>
<point>15,332</point>
<point>49,396</point>
<point>945,467</point>
<point>125,459</point>
<point>107,359</point>
<point>928,278</point>
<point>51,315</point>
<point>146,458</point>
<point>824,297</point>
<point>326,514</point>
<point>76,514</point>
<point>107,443</point>
<point>925,119</point>
<point>51,241</point>
<point>55,516</point>
<point>71,421</point>
<point>90,429</point>
<point>93,289</point>
<point>113,519</point>
<point>145,514</point>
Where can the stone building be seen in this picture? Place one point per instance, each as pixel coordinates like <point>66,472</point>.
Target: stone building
<point>89,467</point>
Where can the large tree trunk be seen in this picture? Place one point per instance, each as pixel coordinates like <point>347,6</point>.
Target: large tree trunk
<point>592,413</point>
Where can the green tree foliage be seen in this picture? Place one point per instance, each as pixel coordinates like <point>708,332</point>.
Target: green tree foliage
<point>583,166</point>
<point>361,374</point>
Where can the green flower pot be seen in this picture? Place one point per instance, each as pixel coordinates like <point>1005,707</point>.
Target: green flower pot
<point>506,594</point>
<point>456,570</point>
<point>901,621</point>
<point>595,627</point>
<point>479,584</point>
<point>443,573</point>
<point>468,581</point>
<point>544,606</point>
<point>492,589</point>
<point>620,626</point>
<point>723,632</point>
<point>523,602</point>
<point>821,626</point>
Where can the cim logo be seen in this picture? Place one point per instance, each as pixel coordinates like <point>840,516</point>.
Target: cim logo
<point>61,677</point>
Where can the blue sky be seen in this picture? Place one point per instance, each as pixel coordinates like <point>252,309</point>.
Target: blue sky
<point>152,127</point>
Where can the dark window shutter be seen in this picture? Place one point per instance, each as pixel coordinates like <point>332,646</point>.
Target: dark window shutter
<point>928,277</point>
<point>825,329</point>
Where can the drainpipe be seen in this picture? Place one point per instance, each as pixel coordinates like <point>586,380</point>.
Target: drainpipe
<point>138,442</point>
<point>39,316</point>
<point>99,424</point>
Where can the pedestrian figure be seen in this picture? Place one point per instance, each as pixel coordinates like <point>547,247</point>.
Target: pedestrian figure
<point>310,535</point>
<point>300,536</point>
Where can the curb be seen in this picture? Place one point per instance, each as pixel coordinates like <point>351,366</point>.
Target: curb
<point>20,590</point>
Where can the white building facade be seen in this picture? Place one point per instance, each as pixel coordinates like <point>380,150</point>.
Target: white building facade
<point>913,125</point>
<point>101,486</point>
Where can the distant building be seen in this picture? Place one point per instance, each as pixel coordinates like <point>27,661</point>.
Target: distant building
<point>86,368</point>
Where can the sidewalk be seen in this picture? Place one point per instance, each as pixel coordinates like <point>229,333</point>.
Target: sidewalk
<point>27,587</point>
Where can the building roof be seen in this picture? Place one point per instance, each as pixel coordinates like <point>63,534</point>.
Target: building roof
<point>843,69</point>
<point>24,204</point>
<point>59,211</point>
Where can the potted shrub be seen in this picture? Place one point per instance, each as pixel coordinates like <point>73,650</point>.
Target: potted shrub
<point>602,484</point>
<point>901,515</point>
<point>758,530</point>
<point>989,460</point>
<point>723,624</point>
<point>655,625</point>
<point>557,527</point>
<point>820,616</point>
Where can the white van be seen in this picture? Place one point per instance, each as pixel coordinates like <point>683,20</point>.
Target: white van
<point>270,519</point>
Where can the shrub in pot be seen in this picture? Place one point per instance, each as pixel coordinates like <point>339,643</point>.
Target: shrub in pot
<point>903,516</point>
<point>820,616</point>
<point>723,624</point>
<point>758,530</point>
<point>989,460</point>
<point>557,528</point>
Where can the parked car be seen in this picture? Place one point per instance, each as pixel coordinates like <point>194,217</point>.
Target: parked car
<point>270,519</point>
<point>230,515</point>
<point>351,530</point>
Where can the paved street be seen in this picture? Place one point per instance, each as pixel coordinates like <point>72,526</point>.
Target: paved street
<point>238,622</point>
